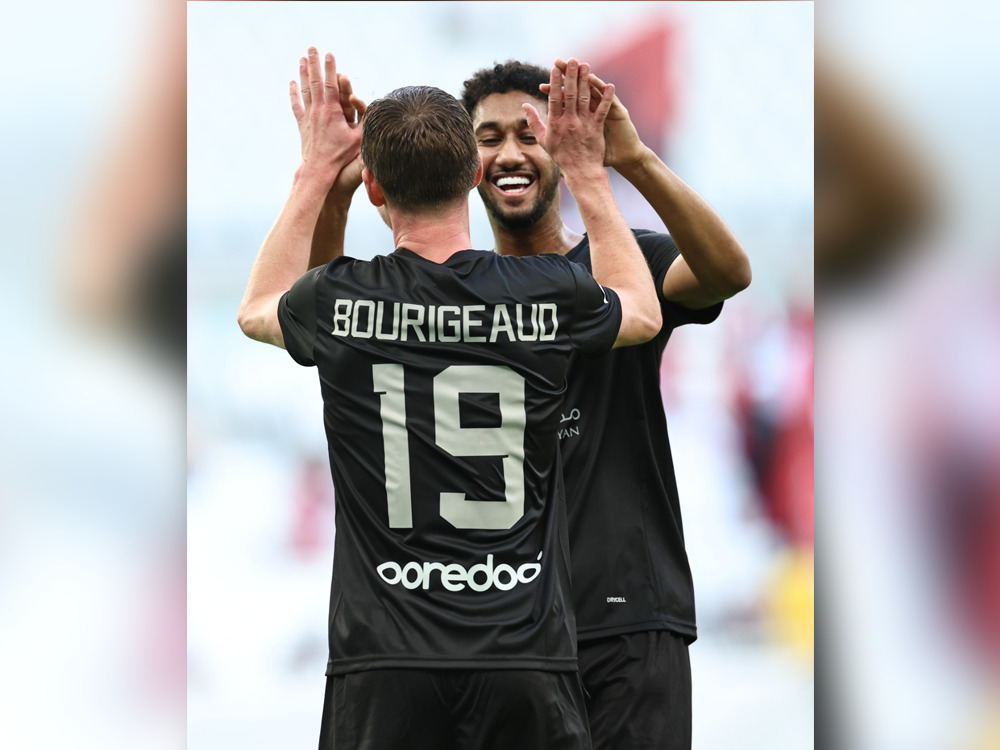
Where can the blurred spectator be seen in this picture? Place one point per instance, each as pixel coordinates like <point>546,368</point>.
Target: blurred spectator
<point>950,402</point>
<point>776,420</point>
<point>774,416</point>
<point>312,527</point>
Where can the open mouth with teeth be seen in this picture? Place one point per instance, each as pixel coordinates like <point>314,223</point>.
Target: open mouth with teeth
<point>513,184</point>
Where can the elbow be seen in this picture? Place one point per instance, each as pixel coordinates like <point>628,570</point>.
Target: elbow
<point>652,324</point>
<point>742,278</point>
<point>649,317</point>
<point>737,278</point>
<point>637,332</point>
<point>646,326</point>
<point>249,323</point>
<point>640,323</point>
<point>259,321</point>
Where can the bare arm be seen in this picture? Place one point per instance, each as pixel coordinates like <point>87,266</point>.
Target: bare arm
<point>713,265</point>
<point>573,136</point>
<point>331,225</point>
<point>329,145</point>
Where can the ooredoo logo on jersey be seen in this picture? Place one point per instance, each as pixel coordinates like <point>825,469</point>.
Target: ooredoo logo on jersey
<point>454,577</point>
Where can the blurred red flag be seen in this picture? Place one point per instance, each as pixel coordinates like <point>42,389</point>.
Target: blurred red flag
<point>641,67</point>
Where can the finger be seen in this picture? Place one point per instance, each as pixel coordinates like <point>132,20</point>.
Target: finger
<point>595,92</point>
<point>584,89</point>
<point>535,123</point>
<point>315,76</point>
<point>597,84</point>
<point>570,93</point>
<point>607,99</point>
<point>561,64</point>
<point>359,105</point>
<point>304,82</point>
<point>331,87</point>
<point>555,92</point>
<point>345,97</point>
<point>297,109</point>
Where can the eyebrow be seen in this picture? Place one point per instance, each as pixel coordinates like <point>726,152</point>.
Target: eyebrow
<point>494,125</point>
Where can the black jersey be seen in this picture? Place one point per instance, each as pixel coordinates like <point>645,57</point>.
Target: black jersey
<point>630,568</point>
<point>442,386</point>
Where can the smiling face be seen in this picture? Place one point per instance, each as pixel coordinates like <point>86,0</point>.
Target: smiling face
<point>520,181</point>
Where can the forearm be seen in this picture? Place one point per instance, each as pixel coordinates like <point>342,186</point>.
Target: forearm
<point>328,235</point>
<point>283,257</point>
<point>710,249</point>
<point>616,260</point>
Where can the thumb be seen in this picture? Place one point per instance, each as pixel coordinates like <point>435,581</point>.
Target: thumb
<point>534,121</point>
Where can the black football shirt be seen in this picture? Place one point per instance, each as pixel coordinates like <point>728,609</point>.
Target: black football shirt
<point>442,386</point>
<point>630,566</point>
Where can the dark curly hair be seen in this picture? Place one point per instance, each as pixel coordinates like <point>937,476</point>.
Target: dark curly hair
<point>501,78</point>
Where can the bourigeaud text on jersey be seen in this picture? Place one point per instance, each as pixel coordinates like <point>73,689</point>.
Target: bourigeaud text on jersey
<point>442,389</point>
<point>478,324</point>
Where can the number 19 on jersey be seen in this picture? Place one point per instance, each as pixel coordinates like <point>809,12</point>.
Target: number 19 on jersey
<point>506,441</point>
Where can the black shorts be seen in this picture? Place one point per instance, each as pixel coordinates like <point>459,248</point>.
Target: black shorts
<point>450,709</point>
<point>638,688</point>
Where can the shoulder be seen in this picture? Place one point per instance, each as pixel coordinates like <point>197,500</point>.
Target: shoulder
<point>659,250</point>
<point>546,262</point>
<point>649,241</point>
<point>560,266</point>
<point>551,273</point>
<point>305,287</point>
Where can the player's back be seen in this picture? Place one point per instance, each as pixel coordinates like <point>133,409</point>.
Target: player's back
<point>442,386</point>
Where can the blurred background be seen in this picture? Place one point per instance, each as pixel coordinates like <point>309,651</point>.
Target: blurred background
<point>92,389</point>
<point>95,467</point>
<point>907,397</point>
<point>724,93</point>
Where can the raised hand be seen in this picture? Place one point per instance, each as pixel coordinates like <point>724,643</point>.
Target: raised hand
<point>573,131</point>
<point>349,178</point>
<point>325,109</point>
<point>622,145</point>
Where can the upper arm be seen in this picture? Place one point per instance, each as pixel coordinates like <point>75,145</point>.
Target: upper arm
<point>682,287</point>
<point>597,310</point>
<point>683,299</point>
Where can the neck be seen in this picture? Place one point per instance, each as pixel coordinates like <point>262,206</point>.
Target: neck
<point>547,235</point>
<point>436,235</point>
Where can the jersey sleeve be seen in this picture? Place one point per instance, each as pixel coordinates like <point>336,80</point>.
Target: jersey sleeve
<point>598,313</point>
<point>297,317</point>
<point>661,252</point>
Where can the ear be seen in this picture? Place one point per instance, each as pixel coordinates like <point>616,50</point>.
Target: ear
<point>479,171</point>
<point>372,188</point>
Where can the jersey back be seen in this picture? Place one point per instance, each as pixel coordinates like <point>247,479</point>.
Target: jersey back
<point>441,386</point>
